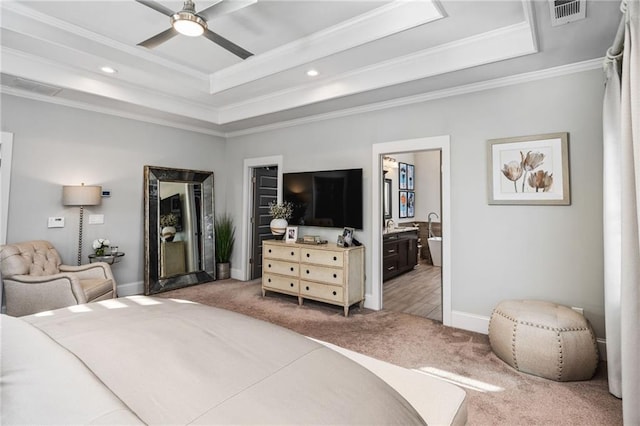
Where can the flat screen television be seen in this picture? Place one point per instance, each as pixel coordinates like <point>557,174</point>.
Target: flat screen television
<point>329,198</point>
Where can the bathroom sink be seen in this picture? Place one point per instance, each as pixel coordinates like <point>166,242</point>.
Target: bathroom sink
<point>400,229</point>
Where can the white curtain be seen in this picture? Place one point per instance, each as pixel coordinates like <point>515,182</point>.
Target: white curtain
<point>621,127</point>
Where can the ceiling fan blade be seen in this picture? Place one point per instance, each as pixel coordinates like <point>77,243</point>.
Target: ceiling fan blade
<point>230,46</point>
<point>159,38</point>
<point>223,7</point>
<point>157,7</point>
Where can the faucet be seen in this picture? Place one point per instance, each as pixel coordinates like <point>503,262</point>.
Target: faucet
<point>390,224</point>
<point>429,224</point>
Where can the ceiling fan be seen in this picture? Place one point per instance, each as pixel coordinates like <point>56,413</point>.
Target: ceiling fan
<point>190,23</point>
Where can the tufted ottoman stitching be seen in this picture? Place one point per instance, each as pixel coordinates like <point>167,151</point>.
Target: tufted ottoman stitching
<point>558,351</point>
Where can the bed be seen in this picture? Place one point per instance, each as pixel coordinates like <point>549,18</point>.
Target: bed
<point>143,360</point>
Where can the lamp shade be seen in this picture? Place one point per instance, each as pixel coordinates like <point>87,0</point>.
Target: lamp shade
<point>81,195</point>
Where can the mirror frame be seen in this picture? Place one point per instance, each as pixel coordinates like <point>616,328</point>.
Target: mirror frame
<point>387,197</point>
<point>153,282</point>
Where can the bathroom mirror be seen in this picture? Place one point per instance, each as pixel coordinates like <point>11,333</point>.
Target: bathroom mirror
<point>179,231</point>
<point>386,197</point>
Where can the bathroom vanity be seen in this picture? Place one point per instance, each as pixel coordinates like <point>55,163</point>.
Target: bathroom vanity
<point>399,251</point>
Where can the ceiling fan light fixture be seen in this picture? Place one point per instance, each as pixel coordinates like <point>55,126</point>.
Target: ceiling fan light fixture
<point>189,24</point>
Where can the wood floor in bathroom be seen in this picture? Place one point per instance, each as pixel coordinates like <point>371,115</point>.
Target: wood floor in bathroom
<point>417,292</point>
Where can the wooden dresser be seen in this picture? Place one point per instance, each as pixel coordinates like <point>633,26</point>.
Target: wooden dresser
<point>326,273</point>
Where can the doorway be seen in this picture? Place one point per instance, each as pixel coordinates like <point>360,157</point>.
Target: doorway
<point>442,143</point>
<point>265,191</point>
<point>412,278</point>
<point>249,242</point>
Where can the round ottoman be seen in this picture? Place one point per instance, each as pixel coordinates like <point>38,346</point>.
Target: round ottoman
<point>544,339</point>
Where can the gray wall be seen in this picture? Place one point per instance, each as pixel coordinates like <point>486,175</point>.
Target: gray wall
<point>55,146</point>
<point>498,252</point>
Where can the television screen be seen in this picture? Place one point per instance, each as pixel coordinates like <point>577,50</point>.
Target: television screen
<point>330,198</point>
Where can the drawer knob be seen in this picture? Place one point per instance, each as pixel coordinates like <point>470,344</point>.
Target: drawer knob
<point>307,288</point>
<point>391,251</point>
<point>308,255</point>
<point>292,253</point>
<point>334,293</point>
<point>335,276</point>
<point>269,250</point>
<point>292,269</point>
<point>391,268</point>
<point>308,271</point>
<point>335,258</point>
<point>269,266</point>
<point>291,284</point>
<point>269,279</point>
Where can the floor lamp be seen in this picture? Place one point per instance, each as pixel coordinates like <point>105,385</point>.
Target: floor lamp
<point>81,195</point>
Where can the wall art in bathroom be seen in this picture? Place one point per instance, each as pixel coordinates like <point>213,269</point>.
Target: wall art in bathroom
<point>411,204</point>
<point>402,176</point>
<point>529,170</point>
<point>410,177</point>
<point>402,204</point>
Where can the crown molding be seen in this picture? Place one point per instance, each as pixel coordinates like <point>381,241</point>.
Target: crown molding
<point>85,106</point>
<point>430,96</point>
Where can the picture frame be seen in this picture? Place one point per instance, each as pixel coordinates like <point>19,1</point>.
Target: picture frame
<point>402,175</point>
<point>347,235</point>
<point>411,177</point>
<point>411,204</point>
<point>402,204</point>
<point>291,234</point>
<point>529,170</point>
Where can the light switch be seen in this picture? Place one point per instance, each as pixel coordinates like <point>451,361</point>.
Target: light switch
<point>56,222</point>
<point>96,219</point>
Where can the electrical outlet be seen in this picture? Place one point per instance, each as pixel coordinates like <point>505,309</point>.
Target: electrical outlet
<point>578,310</point>
<point>56,222</point>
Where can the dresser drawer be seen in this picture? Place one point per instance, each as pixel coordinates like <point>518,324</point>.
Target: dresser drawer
<point>321,273</point>
<point>281,252</point>
<point>321,291</point>
<point>281,267</point>
<point>280,283</point>
<point>322,257</point>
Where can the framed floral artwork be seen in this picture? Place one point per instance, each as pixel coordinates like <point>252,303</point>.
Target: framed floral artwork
<point>411,204</point>
<point>403,204</point>
<point>402,175</point>
<point>529,170</point>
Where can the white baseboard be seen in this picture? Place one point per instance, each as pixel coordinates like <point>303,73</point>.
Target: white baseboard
<point>131,289</point>
<point>470,322</point>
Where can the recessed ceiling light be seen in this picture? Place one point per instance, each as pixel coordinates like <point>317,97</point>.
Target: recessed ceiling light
<point>108,70</point>
<point>312,73</point>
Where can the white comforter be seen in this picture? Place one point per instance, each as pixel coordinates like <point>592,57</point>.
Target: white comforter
<point>158,361</point>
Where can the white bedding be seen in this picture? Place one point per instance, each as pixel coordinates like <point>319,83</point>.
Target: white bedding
<point>158,361</point>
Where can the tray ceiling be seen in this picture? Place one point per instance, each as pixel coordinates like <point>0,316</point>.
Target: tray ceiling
<point>363,51</point>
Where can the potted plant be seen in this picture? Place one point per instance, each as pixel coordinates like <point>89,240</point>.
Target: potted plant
<point>281,213</point>
<point>224,238</point>
<point>168,226</point>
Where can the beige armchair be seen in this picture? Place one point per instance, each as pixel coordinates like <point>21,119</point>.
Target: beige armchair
<point>35,280</point>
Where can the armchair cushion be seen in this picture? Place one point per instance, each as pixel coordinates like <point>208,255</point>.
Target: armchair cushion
<point>35,279</point>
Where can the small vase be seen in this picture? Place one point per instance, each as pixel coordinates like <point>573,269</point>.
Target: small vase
<point>278,226</point>
<point>168,233</point>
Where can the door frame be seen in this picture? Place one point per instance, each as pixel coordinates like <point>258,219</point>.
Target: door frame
<point>397,147</point>
<point>6,150</point>
<point>247,205</point>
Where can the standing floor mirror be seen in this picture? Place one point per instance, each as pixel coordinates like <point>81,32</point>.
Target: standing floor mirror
<point>179,228</point>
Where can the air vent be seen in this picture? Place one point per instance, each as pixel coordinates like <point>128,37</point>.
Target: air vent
<point>34,86</point>
<point>565,11</point>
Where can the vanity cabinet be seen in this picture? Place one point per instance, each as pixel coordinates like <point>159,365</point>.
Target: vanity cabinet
<point>399,253</point>
<point>326,273</point>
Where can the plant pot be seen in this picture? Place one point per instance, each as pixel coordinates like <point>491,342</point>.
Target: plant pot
<point>168,233</point>
<point>224,271</point>
<point>278,226</point>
